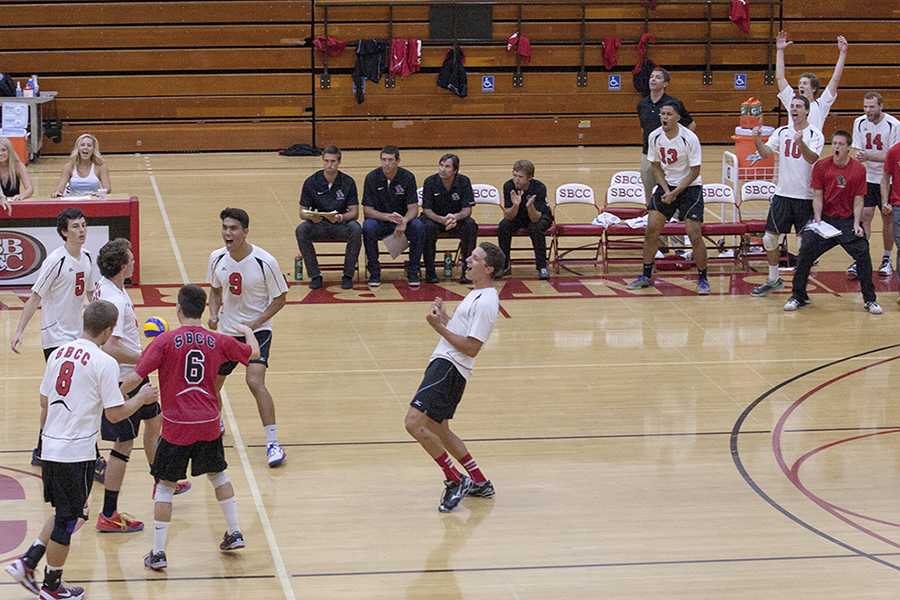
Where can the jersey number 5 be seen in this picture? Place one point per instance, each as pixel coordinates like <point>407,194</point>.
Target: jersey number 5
<point>64,379</point>
<point>235,283</point>
<point>194,366</point>
<point>79,283</point>
<point>668,156</point>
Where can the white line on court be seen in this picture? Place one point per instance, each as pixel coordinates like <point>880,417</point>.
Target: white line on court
<point>280,570</point>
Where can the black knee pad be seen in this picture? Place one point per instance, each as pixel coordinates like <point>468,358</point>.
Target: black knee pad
<point>116,454</point>
<point>62,529</point>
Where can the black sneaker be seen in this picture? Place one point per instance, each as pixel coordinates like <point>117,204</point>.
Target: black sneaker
<point>454,492</point>
<point>156,560</point>
<point>316,282</point>
<point>543,274</point>
<point>346,283</point>
<point>100,470</point>
<point>232,541</point>
<point>413,280</point>
<point>374,281</point>
<point>482,490</point>
<point>63,592</point>
<point>431,278</point>
<point>35,458</point>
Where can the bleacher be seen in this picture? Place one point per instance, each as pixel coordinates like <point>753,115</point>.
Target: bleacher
<point>241,75</point>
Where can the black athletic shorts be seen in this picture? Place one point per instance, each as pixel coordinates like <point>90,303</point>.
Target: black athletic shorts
<point>48,352</point>
<point>67,486</point>
<point>128,429</point>
<point>785,213</point>
<point>264,338</point>
<point>171,460</point>
<point>873,195</point>
<point>688,204</point>
<point>441,390</point>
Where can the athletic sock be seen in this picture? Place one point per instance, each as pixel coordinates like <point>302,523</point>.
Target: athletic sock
<point>446,465</point>
<point>648,270</point>
<point>110,502</point>
<point>52,577</point>
<point>229,509</point>
<point>472,469</point>
<point>773,273</point>
<point>885,254</point>
<point>160,535</point>
<point>271,434</point>
<point>34,554</point>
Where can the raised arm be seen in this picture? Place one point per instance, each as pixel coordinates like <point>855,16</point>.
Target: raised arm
<point>839,65</point>
<point>781,42</point>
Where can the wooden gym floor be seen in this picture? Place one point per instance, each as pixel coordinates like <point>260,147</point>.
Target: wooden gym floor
<point>646,445</point>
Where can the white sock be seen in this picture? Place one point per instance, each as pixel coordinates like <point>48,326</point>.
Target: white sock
<point>886,254</point>
<point>38,542</point>
<point>160,534</point>
<point>271,434</point>
<point>773,272</point>
<point>229,509</point>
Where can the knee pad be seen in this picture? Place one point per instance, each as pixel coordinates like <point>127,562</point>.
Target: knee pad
<point>163,493</point>
<point>116,454</point>
<point>62,529</point>
<point>771,240</point>
<point>218,479</point>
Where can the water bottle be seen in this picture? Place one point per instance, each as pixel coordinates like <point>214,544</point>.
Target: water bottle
<point>298,268</point>
<point>448,265</point>
<point>34,86</point>
<point>18,89</point>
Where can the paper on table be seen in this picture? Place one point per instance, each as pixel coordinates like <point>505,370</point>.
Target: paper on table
<point>396,244</point>
<point>823,229</point>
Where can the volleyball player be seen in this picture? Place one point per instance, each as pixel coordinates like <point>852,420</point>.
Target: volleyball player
<point>873,134</point>
<point>188,359</point>
<point>435,402</point>
<point>80,384</point>
<point>248,288</point>
<point>64,283</point>
<point>797,147</point>
<point>808,85</point>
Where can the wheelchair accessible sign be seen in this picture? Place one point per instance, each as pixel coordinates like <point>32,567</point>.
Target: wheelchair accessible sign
<point>487,84</point>
<point>614,83</point>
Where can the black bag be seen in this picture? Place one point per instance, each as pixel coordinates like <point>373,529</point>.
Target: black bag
<point>7,85</point>
<point>452,75</point>
<point>641,79</point>
<point>300,150</point>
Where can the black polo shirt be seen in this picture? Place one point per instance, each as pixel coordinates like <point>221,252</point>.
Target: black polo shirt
<point>442,201</point>
<point>536,189</point>
<point>318,194</point>
<point>648,113</point>
<point>388,197</point>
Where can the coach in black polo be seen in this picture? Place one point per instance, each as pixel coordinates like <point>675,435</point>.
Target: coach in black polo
<point>333,193</point>
<point>525,207</point>
<point>391,206</point>
<point>447,202</point>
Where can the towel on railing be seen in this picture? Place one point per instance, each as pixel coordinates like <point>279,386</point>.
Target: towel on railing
<point>646,38</point>
<point>330,45</point>
<point>740,14</point>
<point>369,65</point>
<point>610,52</point>
<point>522,46</point>
<point>406,56</point>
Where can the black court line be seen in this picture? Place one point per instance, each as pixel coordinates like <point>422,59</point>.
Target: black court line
<point>602,565</point>
<point>738,463</point>
<point>539,438</point>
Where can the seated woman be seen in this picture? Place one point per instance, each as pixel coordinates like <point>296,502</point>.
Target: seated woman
<point>86,172</point>
<point>15,184</point>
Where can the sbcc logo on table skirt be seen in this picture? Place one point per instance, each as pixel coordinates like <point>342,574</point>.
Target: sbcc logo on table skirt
<point>20,254</point>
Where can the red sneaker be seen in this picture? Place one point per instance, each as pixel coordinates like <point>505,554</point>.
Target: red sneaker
<point>118,523</point>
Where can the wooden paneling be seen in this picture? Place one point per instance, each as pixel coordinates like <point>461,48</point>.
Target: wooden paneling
<point>196,107</point>
<point>378,11</point>
<point>116,86</point>
<point>187,137</point>
<point>196,36</point>
<point>840,9</point>
<point>66,13</point>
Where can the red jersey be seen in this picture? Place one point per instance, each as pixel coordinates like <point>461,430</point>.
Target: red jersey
<point>188,360</point>
<point>892,170</point>
<point>839,185</point>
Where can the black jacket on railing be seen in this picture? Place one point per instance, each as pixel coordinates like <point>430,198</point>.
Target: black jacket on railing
<point>452,75</point>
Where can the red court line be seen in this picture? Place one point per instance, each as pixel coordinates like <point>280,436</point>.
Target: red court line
<point>791,475</point>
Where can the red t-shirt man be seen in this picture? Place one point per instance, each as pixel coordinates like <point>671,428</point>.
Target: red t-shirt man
<point>892,173</point>
<point>839,186</point>
<point>188,359</point>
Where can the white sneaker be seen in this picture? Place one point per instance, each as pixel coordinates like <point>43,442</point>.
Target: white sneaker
<point>885,269</point>
<point>873,308</point>
<point>791,305</point>
<point>275,454</point>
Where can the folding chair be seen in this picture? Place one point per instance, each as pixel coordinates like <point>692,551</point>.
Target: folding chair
<point>575,208</point>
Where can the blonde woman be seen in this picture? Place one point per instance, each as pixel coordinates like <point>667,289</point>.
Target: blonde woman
<point>15,184</point>
<point>86,172</point>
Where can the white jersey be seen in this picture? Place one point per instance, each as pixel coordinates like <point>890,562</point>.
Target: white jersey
<point>818,108</point>
<point>248,287</point>
<point>126,328</point>
<point>676,156</point>
<point>794,172</point>
<point>875,137</point>
<point>79,382</point>
<point>64,284</point>
<point>474,317</point>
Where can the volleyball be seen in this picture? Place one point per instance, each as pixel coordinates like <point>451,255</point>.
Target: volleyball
<point>155,326</point>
